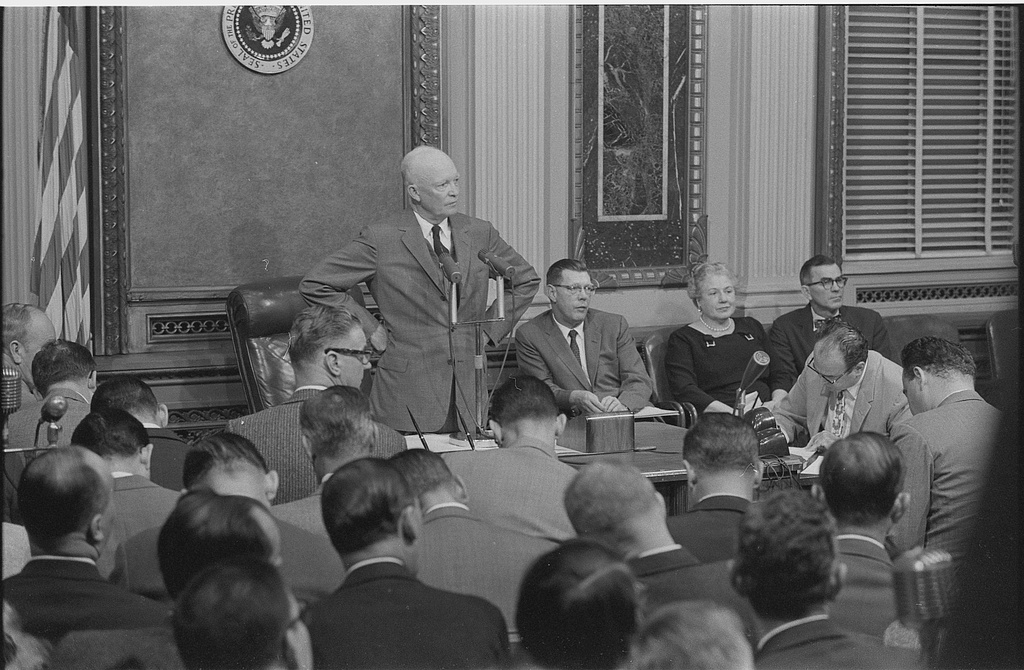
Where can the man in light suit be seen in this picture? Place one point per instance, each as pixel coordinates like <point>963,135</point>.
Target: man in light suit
<point>792,335</point>
<point>586,356</point>
<point>946,446</point>
<point>844,389</point>
<point>26,328</point>
<point>421,370</point>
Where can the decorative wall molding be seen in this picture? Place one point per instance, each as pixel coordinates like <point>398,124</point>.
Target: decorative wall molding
<point>425,64</point>
<point>828,201</point>
<point>880,294</point>
<point>187,327</point>
<point>205,414</point>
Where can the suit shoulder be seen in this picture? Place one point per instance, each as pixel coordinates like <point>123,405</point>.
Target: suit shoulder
<point>533,326</point>
<point>790,318</point>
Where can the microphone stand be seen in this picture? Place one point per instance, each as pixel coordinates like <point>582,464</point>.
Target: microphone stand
<point>479,369</point>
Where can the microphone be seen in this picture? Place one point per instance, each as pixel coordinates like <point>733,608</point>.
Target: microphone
<point>53,410</point>
<point>758,364</point>
<point>10,399</point>
<point>497,265</point>
<point>923,584</point>
<point>450,268</point>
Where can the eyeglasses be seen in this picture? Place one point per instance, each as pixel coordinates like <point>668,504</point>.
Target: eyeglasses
<point>576,289</point>
<point>362,354</point>
<point>827,282</point>
<point>830,380</point>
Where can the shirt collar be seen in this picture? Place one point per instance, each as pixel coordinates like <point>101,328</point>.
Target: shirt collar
<point>50,557</point>
<point>786,626</point>
<point>456,505</point>
<point>372,561</point>
<point>146,424</point>
<point>865,538</point>
<point>426,227</point>
<point>120,475</point>
<point>659,550</point>
<point>565,329</point>
<point>314,387</point>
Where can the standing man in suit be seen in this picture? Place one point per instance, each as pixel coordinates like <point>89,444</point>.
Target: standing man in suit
<point>26,329</point>
<point>720,454</point>
<point>844,389</point>
<point>586,356</point>
<point>327,348</point>
<point>424,366</point>
<point>946,446</point>
<point>861,481</point>
<point>792,335</point>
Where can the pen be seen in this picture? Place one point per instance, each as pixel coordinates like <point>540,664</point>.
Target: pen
<point>817,452</point>
<point>469,438</point>
<point>417,427</point>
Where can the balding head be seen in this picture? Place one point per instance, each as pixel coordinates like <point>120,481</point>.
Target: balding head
<point>615,503</point>
<point>26,329</point>
<point>432,183</point>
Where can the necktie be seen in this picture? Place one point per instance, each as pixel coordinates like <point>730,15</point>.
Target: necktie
<point>574,347</point>
<point>439,247</point>
<point>839,416</point>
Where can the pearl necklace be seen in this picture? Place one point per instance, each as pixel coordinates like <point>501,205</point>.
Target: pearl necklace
<point>712,328</point>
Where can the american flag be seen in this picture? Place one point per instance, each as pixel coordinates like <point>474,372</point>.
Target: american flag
<point>60,264</point>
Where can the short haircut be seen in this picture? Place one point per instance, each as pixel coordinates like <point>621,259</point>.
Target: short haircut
<point>337,422</point>
<point>846,339</point>
<point>578,607</point>
<point>691,635</point>
<point>721,442</point>
<point>221,450</point>
<point>314,329</point>
<point>112,433</point>
<point>59,492</point>
<point>604,495</point>
<point>861,476</point>
<point>424,471</point>
<point>701,272</point>
<point>233,615</point>
<point>786,555</point>
<point>362,504</point>
<point>523,397</point>
<point>17,317</point>
<point>204,528</point>
<point>61,361</point>
<point>128,393</point>
<point>554,274</point>
<point>816,261</point>
<point>938,356</point>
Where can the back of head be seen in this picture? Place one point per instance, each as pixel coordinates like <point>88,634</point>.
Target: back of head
<point>61,361</point>
<point>362,504</point>
<point>786,559</point>
<point>816,261</point>
<point>424,471</point>
<point>721,443</point>
<point>605,496</point>
<point>523,398</point>
<point>128,393</point>
<point>337,423</point>
<point>60,491</point>
<point>221,453</point>
<point>938,357</point>
<point>313,329</point>
<point>234,615</point>
<point>112,434</point>
<point>204,528</point>
<point>578,607</point>
<point>861,476</point>
<point>554,274</point>
<point>691,635</point>
<point>846,340</point>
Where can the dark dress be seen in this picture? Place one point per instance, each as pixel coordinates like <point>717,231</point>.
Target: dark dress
<point>702,368</point>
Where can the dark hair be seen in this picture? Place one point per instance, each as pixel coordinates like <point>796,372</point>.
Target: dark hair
<point>224,450</point>
<point>59,492</point>
<point>938,356</point>
<point>578,607</point>
<point>554,274</point>
<point>204,528</point>
<point>337,423</point>
<point>61,361</point>
<point>784,565</point>
<point>112,433</point>
<point>816,261</point>
<point>861,476</point>
<point>128,393</point>
<point>362,503</point>
<point>523,397</point>
<point>693,634</point>
<point>424,471</point>
<point>315,328</point>
<point>233,616</point>
<point>721,442</point>
<point>845,339</point>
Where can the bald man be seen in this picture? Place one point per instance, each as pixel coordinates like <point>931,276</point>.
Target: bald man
<point>26,330</point>
<point>420,368</point>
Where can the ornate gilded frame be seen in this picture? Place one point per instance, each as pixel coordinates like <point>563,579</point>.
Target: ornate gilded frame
<point>828,201</point>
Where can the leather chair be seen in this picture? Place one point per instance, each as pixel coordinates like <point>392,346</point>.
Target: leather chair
<point>260,314</point>
<point>652,351</point>
<point>905,328</point>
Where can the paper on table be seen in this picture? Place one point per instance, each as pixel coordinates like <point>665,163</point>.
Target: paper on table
<point>651,410</point>
<point>805,453</point>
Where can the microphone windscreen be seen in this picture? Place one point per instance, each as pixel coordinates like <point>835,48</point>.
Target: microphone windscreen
<point>54,408</point>
<point>450,268</point>
<point>497,264</point>
<point>923,584</point>
<point>757,364</point>
<point>10,391</point>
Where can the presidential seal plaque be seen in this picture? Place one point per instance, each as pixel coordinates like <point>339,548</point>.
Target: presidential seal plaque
<point>268,39</point>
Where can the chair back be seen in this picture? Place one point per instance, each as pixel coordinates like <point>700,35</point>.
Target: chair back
<point>905,328</point>
<point>1003,332</point>
<point>652,350</point>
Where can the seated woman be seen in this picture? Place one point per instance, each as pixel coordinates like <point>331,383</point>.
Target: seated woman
<point>705,359</point>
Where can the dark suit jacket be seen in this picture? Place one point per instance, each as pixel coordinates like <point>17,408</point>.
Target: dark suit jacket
<point>710,529</point>
<point>152,648</point>
<point>614,366</point>
<point>866,602</point>
<point>305,513</point>
<point>138,504</point>
<point>383,617</point>
<point>54,597</point>
<point>820,644</point>
<point>168,458</point>
<point>416,370</point>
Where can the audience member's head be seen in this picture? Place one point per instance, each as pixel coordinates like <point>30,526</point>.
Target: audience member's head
<point>205,527</point>
<point>118,438</point>
<point>65,500</point>
<point>63,362</point>
<point>578,607</point>
<point>369,511</point>
<point>691,635</point>
<point>569,288</point>
<point>816,261</point>
<point>720,454</point>
<point>21,650</point>
<point>786,564</point>
<point>524,406</point>
<point>840,355</point>
<point>429,477</point>
<point>327,346</point>
<point>934,368</point>
<point>229,464</point>
<point>822,283</point>
<point>861,481</point>
<point>238,614</point>
<point>133,396</point>
<point>25,330</point>
<point>336,427</point>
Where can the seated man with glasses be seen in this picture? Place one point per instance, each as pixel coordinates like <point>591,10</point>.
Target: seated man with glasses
<point>792,335</point>
<point>844,389</point>
<point>586,356</point>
